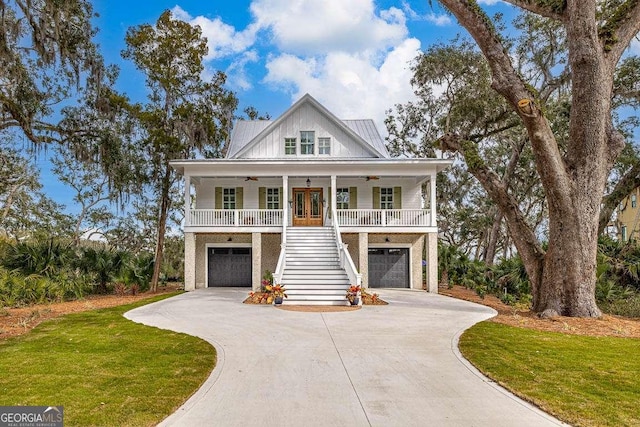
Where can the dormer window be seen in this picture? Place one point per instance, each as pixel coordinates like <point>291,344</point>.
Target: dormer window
<point>324,146</point>
<point>307,142</point>
<point>290,146</point>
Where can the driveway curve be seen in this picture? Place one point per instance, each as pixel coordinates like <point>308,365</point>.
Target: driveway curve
<point>394,365</point>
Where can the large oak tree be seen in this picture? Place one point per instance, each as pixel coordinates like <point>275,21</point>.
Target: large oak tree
<point>573,177</point>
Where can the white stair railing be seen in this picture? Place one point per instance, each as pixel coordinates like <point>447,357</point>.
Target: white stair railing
<point>346,262</point>
<point>282,259</point>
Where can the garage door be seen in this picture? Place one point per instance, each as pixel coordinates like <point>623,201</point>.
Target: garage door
<point>389,268</point>
<point>229,266</point>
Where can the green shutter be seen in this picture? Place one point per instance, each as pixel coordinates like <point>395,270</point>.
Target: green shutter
<point>262,198</point>
<point>239,198</point>
<point>397,197</point>
<point>281,197</point>
<point>376,197</point>
<point>353,197</point>
<point>218,197</point>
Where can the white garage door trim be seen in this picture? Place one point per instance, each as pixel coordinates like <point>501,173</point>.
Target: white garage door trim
<point>220,245</point>
<point>392,245</point>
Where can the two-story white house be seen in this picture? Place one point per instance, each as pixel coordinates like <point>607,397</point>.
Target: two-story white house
<point>314,199</point>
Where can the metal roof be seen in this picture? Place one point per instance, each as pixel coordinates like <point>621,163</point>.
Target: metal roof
<point>243,132</point>
<point>368,131</point>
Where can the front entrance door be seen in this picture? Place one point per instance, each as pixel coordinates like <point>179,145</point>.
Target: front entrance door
<point>307,206</point>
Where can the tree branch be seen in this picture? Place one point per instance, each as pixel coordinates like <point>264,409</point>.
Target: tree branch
<point>552,10</point>
<point>508,83</point>
<point>621,27</point>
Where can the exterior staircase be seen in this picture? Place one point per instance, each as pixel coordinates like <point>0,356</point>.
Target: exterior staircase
<point>312,274</point>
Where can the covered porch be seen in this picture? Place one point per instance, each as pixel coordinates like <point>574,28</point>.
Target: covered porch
<point>266,196</point>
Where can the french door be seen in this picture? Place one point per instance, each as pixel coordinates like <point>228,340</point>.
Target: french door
<point>307,207</point>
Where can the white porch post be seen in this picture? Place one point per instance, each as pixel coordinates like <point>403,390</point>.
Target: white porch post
<point>285,206</point>
<point>432,200</point>
<point>334,181</point>
<point>187,200</point>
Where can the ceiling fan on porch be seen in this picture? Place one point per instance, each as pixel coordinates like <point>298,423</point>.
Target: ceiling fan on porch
<point>251,178</point>
<point>369,178</point>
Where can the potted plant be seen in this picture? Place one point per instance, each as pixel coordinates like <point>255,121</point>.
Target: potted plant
<point>353,294</point>
<point>278,293</point>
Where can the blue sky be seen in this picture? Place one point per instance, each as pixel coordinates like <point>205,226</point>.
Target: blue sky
<point>351,55</point>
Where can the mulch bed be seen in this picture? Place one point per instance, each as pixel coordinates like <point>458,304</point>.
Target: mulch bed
<point>607,325</point>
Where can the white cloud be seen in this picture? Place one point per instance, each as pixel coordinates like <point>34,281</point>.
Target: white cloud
<point>489,2</point>
<point>350,56</point>
<point>237,72</point>
<point>440,20</point>
<point>349,85</point>
<point>222,39</point>
<point>315,27</point>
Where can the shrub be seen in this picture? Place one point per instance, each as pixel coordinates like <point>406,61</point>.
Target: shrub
<point>628,307</point>
<point>46,258</point>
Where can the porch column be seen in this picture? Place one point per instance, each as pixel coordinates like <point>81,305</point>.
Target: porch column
<point>363,255</point>
<point>431,240</point>
<point>333,196</point>
<point>256,263</point>
<point>187,200</point>
<point>285,206</point>
<point>189,261</point>
<point>432,200</point>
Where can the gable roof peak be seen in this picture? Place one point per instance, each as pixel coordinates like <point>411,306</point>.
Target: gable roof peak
<point>251,137</point>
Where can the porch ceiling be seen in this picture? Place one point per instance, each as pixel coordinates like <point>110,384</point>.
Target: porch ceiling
<point>419,168</point>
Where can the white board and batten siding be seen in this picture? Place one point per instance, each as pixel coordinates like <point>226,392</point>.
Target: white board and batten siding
<point>307,118</point>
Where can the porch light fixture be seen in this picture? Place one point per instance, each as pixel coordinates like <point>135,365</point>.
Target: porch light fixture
<point>229,239</point>
<point>290,203</point>
<point>308,183</point>
<point>387,240</point>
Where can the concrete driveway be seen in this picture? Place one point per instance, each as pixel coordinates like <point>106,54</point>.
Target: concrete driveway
<point>394,365</point>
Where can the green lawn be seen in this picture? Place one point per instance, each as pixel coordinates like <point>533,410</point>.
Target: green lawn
<point>104,369</point>
<point>585,381</point>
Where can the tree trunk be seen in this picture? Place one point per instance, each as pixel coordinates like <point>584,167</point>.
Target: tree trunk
<point>492,242</point>
<point>162,226</point>
<point>567,287</point>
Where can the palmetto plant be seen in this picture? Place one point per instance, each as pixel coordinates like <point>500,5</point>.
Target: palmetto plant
<point>39,257</point>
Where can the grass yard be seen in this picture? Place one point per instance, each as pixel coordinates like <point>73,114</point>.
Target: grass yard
<point>104,369</point>
<point>585,381</point>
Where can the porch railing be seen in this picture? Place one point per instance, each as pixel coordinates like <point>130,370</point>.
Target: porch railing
<point>346,261</point>
<point>235,217</point>
<point>384,217</point>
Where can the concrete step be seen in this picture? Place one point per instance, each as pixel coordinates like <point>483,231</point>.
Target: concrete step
<point>304,292</point>
<point>308,297</point>
<point>288,301</point>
